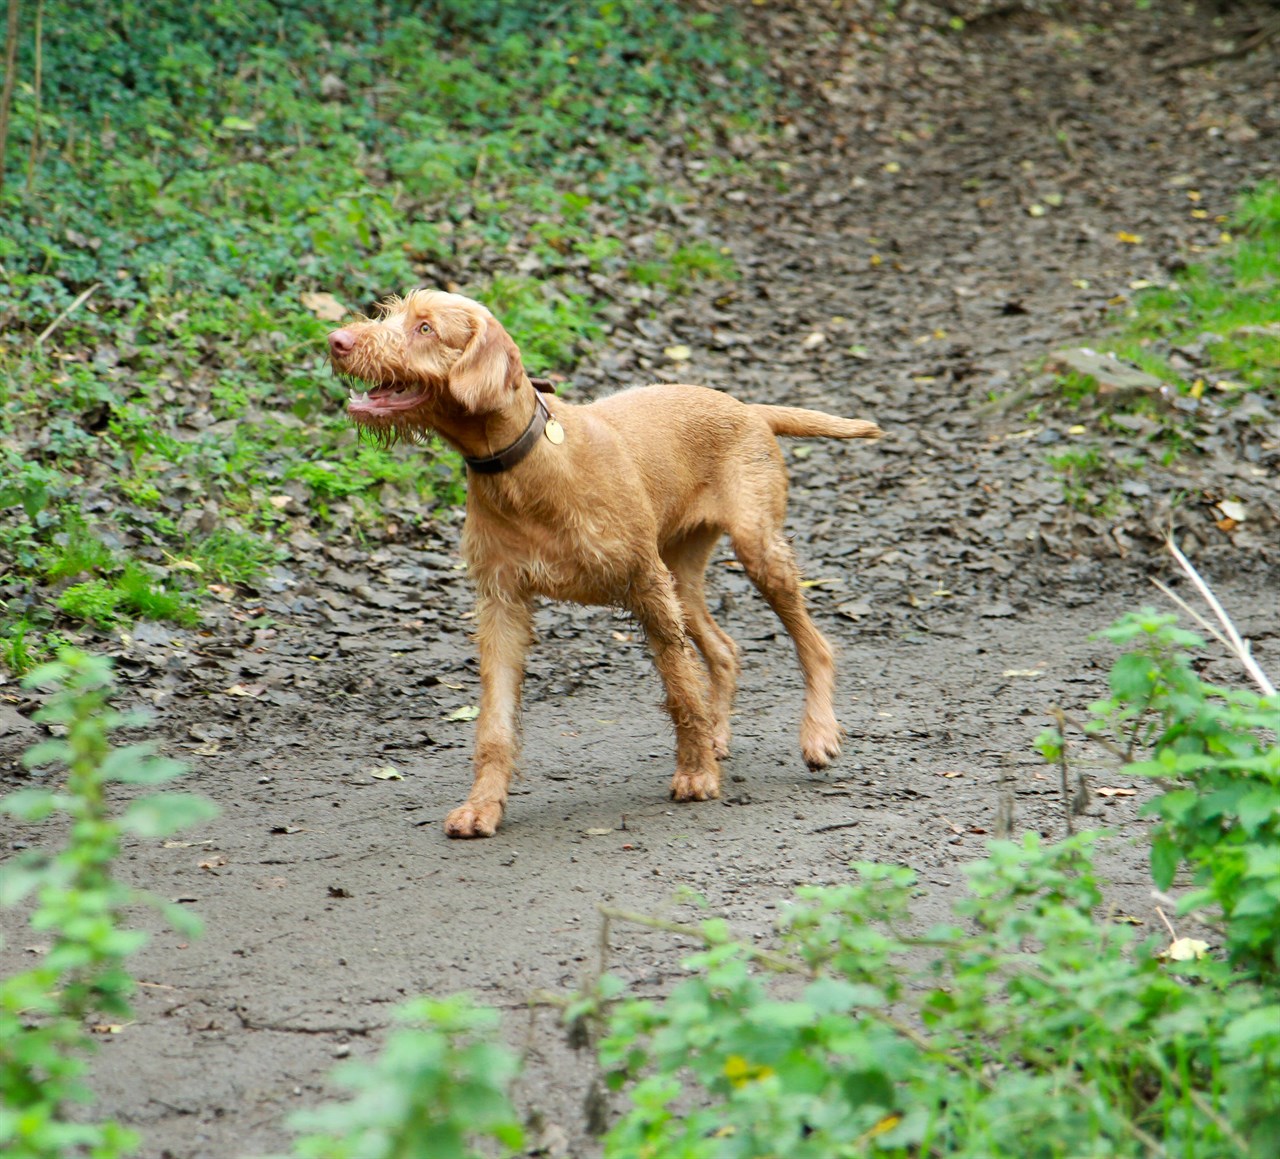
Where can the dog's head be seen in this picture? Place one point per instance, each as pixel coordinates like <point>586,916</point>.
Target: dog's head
<point>427,356</point>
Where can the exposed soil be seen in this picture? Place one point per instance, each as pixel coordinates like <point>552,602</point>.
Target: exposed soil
<point>959,588</point>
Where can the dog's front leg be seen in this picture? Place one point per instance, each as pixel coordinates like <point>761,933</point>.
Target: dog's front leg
<point>504,631</point>
<point>655,605</point>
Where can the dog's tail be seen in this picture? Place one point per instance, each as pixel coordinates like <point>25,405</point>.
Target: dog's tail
<point>793,420</point>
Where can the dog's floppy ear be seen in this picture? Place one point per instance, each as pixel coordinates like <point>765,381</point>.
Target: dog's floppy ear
<point>489,368</point>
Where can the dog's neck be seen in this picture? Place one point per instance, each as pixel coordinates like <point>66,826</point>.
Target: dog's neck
<point>481,436</point>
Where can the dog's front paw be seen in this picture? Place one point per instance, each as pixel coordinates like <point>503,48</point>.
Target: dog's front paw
<point>820,742</point>
<point>695,786</point>
<point>474,820</point>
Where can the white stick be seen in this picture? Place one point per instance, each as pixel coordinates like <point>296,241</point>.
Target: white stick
<point>1239,646</point>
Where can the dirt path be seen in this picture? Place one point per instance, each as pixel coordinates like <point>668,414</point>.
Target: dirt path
<point>959,589</point>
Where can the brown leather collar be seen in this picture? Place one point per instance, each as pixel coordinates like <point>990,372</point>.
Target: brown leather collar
<point>506,459</point>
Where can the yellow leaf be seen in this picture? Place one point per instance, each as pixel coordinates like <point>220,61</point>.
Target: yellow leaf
<point>324,306</point>
<point>1186,950</point>
<point>1197,388</point>
<point>678,353</point>
<point>1129,238</point>
<point>893,167</point>
<point>1078,429</point>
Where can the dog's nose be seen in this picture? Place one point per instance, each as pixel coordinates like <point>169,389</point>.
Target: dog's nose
<point>341,342</point>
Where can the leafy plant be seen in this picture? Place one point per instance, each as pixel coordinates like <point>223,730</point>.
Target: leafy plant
<point>1216,748</point>
<point>78,907</point>
<point>439,1086</point>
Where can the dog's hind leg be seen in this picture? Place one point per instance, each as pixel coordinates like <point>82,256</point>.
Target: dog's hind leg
<point>770,563</point>
<point>652,599</point>
<point>687,558</point>
<point>504,632</point>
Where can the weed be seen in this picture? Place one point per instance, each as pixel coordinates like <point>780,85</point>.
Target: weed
<point>78,909</point>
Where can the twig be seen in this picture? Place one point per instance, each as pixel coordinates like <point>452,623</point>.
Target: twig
<point>1168,925</point>
<point>6,97</point>
<point>1061,718</point>
<point>1268,30</point>
<point>84,294</point>
<point>1238,646</point>
<point>1186,607</point>
<point>33,155</point>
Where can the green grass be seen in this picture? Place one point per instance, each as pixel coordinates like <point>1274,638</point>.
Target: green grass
<point>202,167</point>
<point>1230,305</point>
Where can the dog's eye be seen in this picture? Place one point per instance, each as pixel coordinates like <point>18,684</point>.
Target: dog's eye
<point>424,327</point>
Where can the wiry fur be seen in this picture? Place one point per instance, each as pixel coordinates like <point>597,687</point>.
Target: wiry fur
<point>625,513</point>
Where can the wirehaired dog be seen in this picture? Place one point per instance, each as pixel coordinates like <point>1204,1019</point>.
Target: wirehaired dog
<point>616,503</point>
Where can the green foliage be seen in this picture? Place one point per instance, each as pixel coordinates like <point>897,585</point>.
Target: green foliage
<point>106,603</point>
<point>1034,1029</point>
<point>1227,308</point>
<point>1217,746</point>
<point>203,168</point>
<point>439,1086</point>
<point>77,908</point>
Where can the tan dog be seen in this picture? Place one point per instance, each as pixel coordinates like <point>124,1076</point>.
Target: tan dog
<point>616,503</point>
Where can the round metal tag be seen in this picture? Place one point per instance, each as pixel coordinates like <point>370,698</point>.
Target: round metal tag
<point>554,432</point>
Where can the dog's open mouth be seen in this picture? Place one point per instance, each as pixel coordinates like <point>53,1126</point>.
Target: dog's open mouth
<point>384,401</point>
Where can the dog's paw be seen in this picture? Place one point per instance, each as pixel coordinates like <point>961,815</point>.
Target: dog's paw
<point>820,743</point>
<point>474,820</point>
<point>695,786</point>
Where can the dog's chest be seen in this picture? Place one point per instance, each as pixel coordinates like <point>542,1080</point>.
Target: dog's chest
<point>564,559</point>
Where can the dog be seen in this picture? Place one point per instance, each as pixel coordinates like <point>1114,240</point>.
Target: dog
<point>617,503</point>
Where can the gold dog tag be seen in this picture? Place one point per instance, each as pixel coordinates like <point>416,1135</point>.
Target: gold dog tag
<point>554,432</point>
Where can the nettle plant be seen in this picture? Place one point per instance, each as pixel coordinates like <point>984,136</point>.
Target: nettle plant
<point>78,908</point>
<point>1216,751</point>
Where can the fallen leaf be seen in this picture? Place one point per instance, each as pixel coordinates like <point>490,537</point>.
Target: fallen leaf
<point>253,691</point>
<point>1232,510</point>
<point>1126,919</point>
<point>596,832</point>
<point>1129,238</point>
<point>816,338</point>
<point>466,712</point>
<point>1023,672</point>
<point>324,306</point>
<point>1108,791</point>
<point>1186,950</point>
<point>217,861</point>
<point>386,773</point>
<point>107,1027</point>
<point>678,353</point>
<point>1036,210</point>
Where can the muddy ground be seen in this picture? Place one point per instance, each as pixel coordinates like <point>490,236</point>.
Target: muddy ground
<point>960,590</point>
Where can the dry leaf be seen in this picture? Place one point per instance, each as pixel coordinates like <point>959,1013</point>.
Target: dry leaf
<point>1129,238</point>
<point>466,712</point>
<point>817,338</point>
<point>596,832</point>
<point>386,773</point>
<point>1024,672</point>
<point>678,353</point>
<point>217,861</point>
<point>1107,791</point>
<point>1186,950</point>
<point>253,691</point>
<point>324,306</point>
